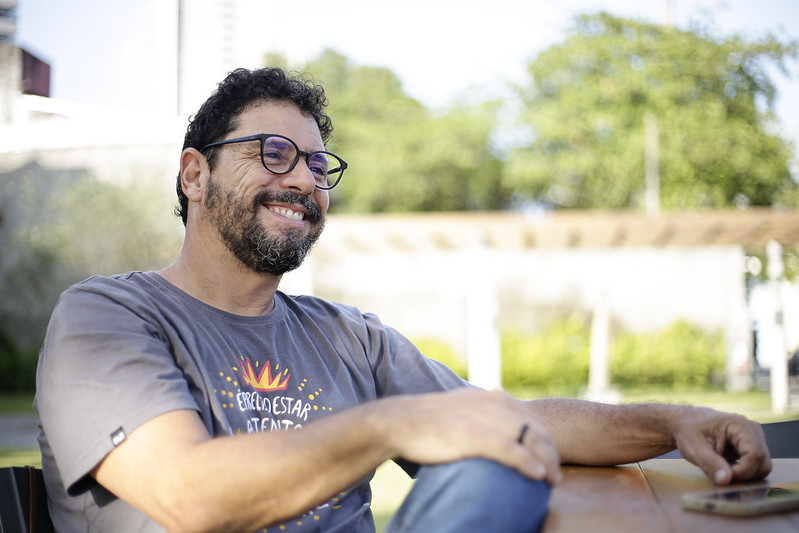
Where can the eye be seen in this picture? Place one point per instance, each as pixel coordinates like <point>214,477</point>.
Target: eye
<point>317,163</point>
<point>278,151</point>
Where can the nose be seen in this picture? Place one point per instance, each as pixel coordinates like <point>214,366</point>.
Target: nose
<point>300,179</point>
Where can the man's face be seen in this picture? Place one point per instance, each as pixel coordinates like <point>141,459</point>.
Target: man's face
<point>268,222</point>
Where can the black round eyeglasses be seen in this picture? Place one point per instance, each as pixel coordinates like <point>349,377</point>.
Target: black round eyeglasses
<point>280,154</point>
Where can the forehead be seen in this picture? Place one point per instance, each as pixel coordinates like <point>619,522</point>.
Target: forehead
<point>283,118</point>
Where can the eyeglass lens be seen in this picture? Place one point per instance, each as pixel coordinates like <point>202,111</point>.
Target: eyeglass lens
<point>280,155</point>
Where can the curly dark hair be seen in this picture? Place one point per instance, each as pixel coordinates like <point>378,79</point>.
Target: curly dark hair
<point>240,89</point>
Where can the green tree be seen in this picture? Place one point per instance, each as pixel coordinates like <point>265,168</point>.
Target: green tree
<point>710,97</point>
<point>402,156</point>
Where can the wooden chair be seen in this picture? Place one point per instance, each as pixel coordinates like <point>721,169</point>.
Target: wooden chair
<point>23,501</point>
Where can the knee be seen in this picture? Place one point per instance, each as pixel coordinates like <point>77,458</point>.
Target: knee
<point>490,479</point>
<point>474,495</point>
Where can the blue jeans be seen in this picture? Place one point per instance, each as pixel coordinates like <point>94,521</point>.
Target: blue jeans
<point>472,496</point>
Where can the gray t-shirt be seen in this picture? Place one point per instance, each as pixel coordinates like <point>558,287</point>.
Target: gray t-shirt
<point>121,350</point>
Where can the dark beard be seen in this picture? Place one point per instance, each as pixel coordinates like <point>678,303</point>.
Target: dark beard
<point>249,241</point>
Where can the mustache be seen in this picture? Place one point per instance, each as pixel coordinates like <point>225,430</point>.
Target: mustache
<point>288,197</point>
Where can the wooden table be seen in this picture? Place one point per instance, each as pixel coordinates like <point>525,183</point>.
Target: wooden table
<point>647,496</point>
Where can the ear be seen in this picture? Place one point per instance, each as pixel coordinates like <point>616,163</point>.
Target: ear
<point>193,173</point>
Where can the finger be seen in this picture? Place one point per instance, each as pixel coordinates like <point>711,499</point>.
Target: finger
<point>711,462</point>
<point>751,467</point>
<point>753,460</point>
<point>543,447</point>
<point>717,469</point>
<point>534,438</point>
<point>740,453</point>
<point>753,463</point>
<point>526,447</point>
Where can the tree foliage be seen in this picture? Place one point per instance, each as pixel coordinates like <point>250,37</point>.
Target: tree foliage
<point>586,104</point>
<point>711,99</point>
<point>61,226</point>
<point>402,155</point>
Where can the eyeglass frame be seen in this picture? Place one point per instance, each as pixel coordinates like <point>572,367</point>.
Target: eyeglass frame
<point>262,137</point>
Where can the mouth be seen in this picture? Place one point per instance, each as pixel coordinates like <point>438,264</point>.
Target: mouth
<point>290,206</point>
<point>286,212</point>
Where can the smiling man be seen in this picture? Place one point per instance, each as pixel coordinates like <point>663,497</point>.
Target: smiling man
<point>201,398</point>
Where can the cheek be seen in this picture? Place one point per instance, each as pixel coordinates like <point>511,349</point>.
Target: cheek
<point>247,175</point>
<point>322,198</point>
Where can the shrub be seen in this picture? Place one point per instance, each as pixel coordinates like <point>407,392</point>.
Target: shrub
<point>557,359</point>
<point>17,366</point>
<point>441,351</point>
<point>680,356</point>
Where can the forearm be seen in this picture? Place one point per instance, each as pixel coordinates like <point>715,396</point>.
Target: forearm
<point>241,482</point>
<point>288,476</point>
<point>593,433</point>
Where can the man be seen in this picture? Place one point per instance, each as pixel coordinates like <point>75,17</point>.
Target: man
<point>201,398</point>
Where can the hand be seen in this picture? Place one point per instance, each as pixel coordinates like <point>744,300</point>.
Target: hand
<point>444,427</point>
<point>726,447</point>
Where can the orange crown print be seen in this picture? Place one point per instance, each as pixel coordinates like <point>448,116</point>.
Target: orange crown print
<point>264,380</point>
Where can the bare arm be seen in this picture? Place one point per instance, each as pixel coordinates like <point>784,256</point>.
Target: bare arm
<point>172,470</point>
<point>726,447</point>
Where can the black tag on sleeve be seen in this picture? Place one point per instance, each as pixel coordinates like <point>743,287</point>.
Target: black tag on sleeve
<point>118,437</point>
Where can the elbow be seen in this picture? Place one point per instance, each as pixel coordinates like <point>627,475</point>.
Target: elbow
<point>198,517</point>
<point>187,514</point>
<point>196,520</point>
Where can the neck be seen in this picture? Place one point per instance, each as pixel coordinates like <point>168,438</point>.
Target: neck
<point>220,280</point>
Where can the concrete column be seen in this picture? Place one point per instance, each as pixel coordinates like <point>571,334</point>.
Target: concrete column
<point>599,388</point>
<point>483,345</point>
<point>775,338</point>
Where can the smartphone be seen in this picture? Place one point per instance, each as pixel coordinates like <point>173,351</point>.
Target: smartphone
<point>744,501</point>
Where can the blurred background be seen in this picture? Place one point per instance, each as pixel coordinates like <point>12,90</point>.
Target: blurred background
<point>584,197</point>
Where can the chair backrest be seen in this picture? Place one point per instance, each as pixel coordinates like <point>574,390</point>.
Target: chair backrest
<point>23,501</point>
<point>782,438</point>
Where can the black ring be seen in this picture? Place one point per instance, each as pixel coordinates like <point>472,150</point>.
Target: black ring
<point>522,433</point>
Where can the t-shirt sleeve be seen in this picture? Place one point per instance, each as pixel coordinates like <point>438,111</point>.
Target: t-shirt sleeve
<point>395,366</point>
<point>400,368</point>
<point>104,370</point>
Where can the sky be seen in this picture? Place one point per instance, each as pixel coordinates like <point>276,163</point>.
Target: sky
<point>115,52</point>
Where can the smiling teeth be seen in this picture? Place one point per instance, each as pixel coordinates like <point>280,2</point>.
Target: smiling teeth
<point>288,213</point>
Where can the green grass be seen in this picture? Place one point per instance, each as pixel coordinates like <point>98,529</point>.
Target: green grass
<point>20,458</point>
<point>753,404</point>
<point>389,487</point>
<point>17,404</point>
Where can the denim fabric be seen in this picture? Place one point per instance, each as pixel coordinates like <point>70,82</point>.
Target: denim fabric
<point>472,496</point>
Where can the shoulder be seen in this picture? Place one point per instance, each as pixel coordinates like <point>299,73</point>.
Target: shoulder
<point>326,313</point>
<point>132,290</point>
<point>316,305</point>
<point>118,283</point>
